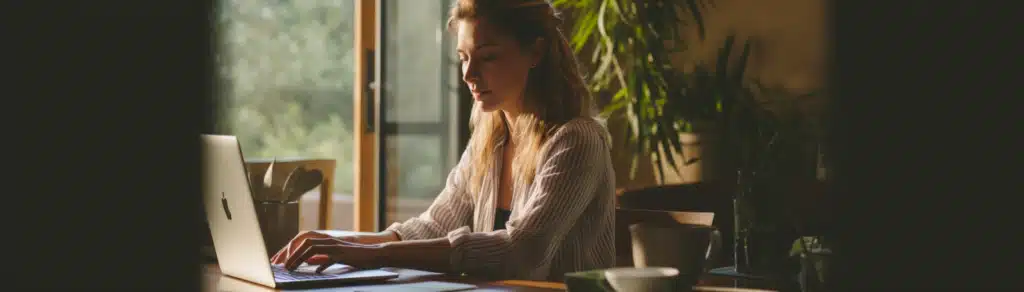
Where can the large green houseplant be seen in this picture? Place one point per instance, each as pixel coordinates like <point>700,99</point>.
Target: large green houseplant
<point>764,137</point>
<point>629,44</point>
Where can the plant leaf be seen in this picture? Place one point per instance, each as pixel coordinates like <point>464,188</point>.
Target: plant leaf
<point>695,12</point>
<point>722,64</point>
<point>741,65</point>
<point>669,147</point>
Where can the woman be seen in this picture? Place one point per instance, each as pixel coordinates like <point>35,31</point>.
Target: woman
<point>532,197</point>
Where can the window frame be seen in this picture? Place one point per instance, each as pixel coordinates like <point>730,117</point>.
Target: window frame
<point>363,194</point>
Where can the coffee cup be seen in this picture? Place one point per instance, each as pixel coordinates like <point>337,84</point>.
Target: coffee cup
<point>685,247</point>
<point>650,279</point>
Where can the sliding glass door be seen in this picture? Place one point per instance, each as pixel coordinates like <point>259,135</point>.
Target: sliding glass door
<point>417,107</point>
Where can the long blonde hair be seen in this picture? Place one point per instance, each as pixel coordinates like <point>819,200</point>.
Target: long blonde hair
<point>555,91</point>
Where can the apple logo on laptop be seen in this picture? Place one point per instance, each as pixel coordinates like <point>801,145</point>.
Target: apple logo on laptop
<point>224,202</point>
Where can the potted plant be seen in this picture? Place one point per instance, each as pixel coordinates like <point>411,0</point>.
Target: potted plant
<point>763,135</point>
<point>628,44</point>
<point>773,151</point>
<point>769,139</point>
<point>814,254</point>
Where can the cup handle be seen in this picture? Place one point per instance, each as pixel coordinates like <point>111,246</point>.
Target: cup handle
<point>711,258</point>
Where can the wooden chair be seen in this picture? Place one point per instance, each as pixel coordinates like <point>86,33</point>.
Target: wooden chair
<point>684,202</point>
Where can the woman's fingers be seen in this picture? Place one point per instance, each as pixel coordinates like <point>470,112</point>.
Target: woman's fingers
<point>305,245</point>
<point>304,254</point>
<point>281,255</point>
<point>293,244</point>
<point>297,247</point>
<point>322,260</point>
<point>286,250</point>
<point>273,259</point>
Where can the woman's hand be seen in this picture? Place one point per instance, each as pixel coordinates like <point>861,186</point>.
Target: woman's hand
<point>293,244</point>
<point>328,251</point>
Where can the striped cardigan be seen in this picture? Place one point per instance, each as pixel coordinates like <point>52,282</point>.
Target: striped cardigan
<point>562,222</point>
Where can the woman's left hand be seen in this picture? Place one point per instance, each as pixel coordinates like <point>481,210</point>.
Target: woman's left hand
<point>328,251</point>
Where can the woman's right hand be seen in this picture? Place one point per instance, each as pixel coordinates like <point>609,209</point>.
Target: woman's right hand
<point>381,237</point>
<point>282,255</point>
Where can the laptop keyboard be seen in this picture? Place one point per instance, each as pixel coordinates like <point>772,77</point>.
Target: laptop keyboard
<point>282,274</point>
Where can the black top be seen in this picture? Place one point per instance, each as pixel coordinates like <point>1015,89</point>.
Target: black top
<point>500,218</point>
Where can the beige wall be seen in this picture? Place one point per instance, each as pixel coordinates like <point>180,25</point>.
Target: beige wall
<point>789,49</point>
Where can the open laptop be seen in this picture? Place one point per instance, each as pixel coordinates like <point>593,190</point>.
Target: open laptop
<point>235,229</point>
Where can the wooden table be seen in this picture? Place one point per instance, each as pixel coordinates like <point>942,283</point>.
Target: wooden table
<point>213,280</point>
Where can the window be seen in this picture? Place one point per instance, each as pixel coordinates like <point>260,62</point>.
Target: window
<point>286,73</point>
<point>419,141</point>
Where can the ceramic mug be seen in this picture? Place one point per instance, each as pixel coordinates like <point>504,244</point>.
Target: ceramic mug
<point>686,247</point>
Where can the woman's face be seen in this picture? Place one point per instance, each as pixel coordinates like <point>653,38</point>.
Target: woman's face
<point>494,65</point>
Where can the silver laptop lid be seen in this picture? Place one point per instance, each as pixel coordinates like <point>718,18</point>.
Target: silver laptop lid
<point>231,212</point>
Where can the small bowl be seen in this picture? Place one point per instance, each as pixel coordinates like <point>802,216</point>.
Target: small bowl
<point>650,279</point>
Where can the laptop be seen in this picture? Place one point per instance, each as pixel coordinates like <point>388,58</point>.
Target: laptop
<point>235,229</point>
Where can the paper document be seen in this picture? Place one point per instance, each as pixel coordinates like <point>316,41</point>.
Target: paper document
<point>419,287</point>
